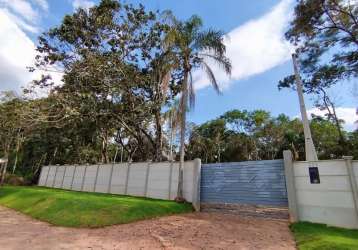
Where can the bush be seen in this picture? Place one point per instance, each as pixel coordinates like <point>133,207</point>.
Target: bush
<point>14,180</point>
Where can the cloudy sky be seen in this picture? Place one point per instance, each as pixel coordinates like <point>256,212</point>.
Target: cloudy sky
<point>255,45</point>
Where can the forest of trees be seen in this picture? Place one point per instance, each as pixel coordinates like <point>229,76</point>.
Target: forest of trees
<point>127,86</point>
<point>256,135</point>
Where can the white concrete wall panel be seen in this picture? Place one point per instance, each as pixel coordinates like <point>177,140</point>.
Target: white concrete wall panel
<point>331,201</point>
<point>334,216</point>
<point>332,167</point>
<point>90,178</point>
<point>174,183</point>
<point>51,176</point>
<point>43,176</point>
<point>67,180</point>
<point>355,169</point>
<point>137,179</point>
<point>145,179</point>
<point>325,199</point>
<point>78,178</point>
<point>328,183</point>
<point>188,184</point>
<point>158,181</point>
<point>59,176</point>
<point>118,181</point>
<point>103,178</point>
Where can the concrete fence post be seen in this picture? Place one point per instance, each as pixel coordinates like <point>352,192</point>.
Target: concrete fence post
<point>352,181</point>
<point>54,179</point>
<point>146,180</point>
<point>95,179</point>
<point>127,178</point>
<point>73,176</point>
<point>48,170</point>
<point>110,179</point>
<point>84,177</point>
<point>290,186</point>
<point>196,184</point>
<point>63,177</point>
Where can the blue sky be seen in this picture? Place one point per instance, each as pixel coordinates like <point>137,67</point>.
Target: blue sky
<point>259,53</point>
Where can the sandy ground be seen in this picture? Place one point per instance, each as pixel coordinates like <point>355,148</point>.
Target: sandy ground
<point>189,231</point>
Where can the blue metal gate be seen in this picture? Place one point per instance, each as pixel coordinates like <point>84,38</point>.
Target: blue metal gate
<point>251,182</point>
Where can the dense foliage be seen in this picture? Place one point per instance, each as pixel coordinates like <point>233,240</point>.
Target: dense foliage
<point>243,135</point>
<point>124,69</point>
<point>127,85</point>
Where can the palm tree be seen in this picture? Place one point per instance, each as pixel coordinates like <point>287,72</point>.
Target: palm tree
<point>171,116</point>
<point>193,47</point>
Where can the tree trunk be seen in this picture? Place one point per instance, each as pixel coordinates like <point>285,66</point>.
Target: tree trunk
<point>18,144</point>
<point>159,136</point>
<point>104,153</point>
<point>15,162</point>
<point>333,115</point>
<point>115,155</point>
<point>171,138</point>
<point>53,156</point>
<point>183,105</point>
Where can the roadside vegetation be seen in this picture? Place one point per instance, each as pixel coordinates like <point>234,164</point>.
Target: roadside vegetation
<point>241,135</point>
<point>127,85</point>
<point>311,236</point>
<point>78,209</point>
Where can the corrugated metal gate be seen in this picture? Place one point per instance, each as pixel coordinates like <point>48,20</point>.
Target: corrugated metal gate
<point>251,183</point>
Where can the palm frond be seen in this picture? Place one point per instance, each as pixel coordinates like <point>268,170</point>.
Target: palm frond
<point>169,18</point>
<point>170,39</point>
<point>211,76</point>
<point>222,61</point>
<point>194,23</point>
<point>211,40</point>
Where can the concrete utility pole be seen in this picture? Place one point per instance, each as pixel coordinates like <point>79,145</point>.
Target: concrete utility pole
<point>311,154</point>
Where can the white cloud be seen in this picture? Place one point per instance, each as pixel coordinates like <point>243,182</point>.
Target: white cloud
<point>254,47</point>
<point>42,4</point>
<point>17,51</point>
<point>22,8</point>
<point>21,23</point>
<point>25,13</point>
<point>347,114</point>
<point>85,4</point>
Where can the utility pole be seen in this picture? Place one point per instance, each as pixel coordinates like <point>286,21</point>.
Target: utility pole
<point>311,154</point>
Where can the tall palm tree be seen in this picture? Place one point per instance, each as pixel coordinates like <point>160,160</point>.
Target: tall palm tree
<point>172,116</point>
<point>193,47</point>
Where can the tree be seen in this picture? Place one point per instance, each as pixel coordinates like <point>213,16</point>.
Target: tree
<point>192,47</point>
<point>172,116</point>
<point>114,73</point>
<point>10,127</point>
<point>256,135</point>
<point>325,33</point>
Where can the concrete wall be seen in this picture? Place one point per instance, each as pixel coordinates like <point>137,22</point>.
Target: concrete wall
<point>153,180</point>
<point>333,201</point>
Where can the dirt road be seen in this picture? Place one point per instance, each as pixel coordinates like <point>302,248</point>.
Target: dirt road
<point>189,231</point>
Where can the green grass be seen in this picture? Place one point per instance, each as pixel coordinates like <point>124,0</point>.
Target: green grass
<point>310,236</point>
<point>79,209</point>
